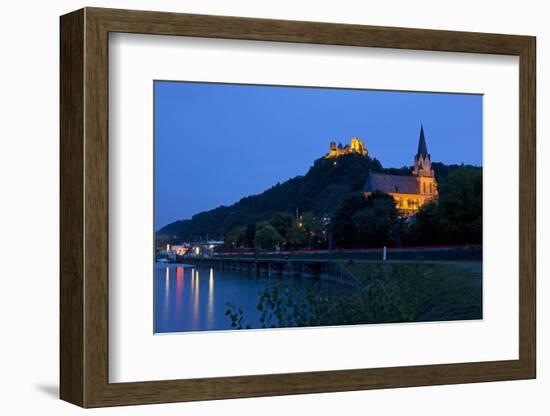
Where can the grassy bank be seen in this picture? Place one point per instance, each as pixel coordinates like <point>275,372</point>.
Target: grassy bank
<point>425,291</point>
<point>388,292</point>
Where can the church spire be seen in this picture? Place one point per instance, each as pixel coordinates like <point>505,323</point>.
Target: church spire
<point>422,159</point>
<point>422,148</point>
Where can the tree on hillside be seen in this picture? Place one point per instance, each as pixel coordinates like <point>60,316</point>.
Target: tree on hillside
<point>377,224</point>
<point>461,203</point>
<point>342,225</point>
<point>366,222</point>
<point>310,227</point>
<point>250,235</point>
<point>283,223</point>
<point>267,236</point>
<point>236,237</point>
<point>306,231</point>
<point>426,227</point>
<point>456,217</point>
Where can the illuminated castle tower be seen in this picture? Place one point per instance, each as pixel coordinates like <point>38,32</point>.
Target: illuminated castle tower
<point>357,146</point>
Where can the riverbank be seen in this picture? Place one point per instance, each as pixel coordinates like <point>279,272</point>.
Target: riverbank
<point>197,298</point>
<point>436,290</point>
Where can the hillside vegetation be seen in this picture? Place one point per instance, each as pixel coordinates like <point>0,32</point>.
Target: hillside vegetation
<point>320,190</point>
<point>329,200</point>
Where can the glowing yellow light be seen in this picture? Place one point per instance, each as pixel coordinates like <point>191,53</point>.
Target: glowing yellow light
<point>167,293</point>
<point>210,305</point>
<point>196,297</point>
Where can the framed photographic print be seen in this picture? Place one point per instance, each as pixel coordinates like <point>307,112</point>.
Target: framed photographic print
<point>255,207</point>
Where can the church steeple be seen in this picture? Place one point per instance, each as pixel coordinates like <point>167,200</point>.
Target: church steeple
<point>422,159</point>
<point>422,148</point>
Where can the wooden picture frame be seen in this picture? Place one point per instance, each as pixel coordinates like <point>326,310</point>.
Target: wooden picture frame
<point>84,207</point>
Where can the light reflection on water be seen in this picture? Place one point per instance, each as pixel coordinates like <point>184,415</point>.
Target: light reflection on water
<point>210,307</point>
<point>167,293</point>
<point>181,305</point>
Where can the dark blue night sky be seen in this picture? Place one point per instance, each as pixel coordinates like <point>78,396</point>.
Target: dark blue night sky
<point>217,143</point>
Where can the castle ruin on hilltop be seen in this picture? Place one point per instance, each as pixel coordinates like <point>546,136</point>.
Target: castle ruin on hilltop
<point>357,146</point>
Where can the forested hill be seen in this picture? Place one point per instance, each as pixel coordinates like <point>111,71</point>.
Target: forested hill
<point>323,187</point>
<point>320,191</point>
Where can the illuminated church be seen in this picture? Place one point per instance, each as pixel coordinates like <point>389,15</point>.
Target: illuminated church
<point>409,192</point>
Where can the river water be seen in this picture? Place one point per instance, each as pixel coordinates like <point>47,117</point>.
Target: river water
<point>189,298</point>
